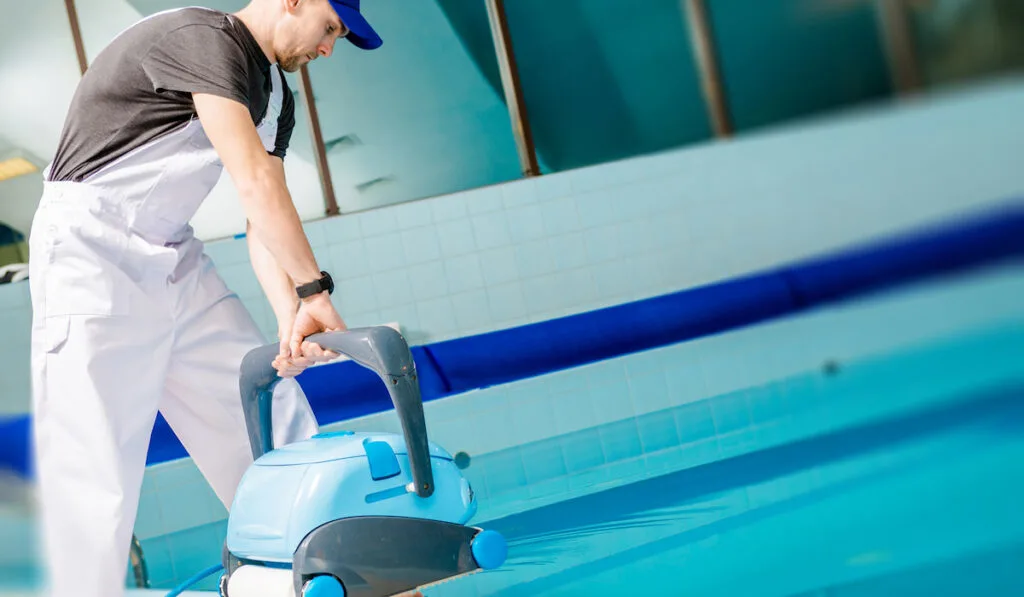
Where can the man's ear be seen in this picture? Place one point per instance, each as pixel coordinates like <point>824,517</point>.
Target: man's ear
<point>290,6</point>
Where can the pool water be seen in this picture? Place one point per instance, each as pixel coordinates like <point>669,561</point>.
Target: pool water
<point>925,501</point>
<point>925,504</point>
<point>920,496</point>
<point>909,484</point>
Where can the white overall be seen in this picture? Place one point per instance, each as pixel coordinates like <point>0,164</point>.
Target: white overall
<point>130,317</point>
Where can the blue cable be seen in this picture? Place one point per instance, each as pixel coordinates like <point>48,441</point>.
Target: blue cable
<point>198,577</point>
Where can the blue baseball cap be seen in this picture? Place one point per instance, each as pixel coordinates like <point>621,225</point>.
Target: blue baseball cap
<point>361,34</point>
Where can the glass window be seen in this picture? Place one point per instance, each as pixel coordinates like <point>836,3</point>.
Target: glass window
<point>417,117</point>
<point>602,79</point>
<point>959,40</point>
<point>783,59</point>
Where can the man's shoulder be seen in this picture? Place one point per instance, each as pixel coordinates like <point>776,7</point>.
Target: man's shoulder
<point>175,18</point>
<point>180,23</point>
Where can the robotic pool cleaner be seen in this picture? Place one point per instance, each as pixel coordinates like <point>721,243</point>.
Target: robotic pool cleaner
<point>347,514</point>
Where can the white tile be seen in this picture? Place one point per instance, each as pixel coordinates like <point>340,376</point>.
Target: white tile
<point>437,317</point>
<point>349,259</point>
<point>553,186</point>
<point>420,244</point>
<point>560,215</point>
<point>463,273</point>
<point>392,288</point>
<point>485,200</point>
<point>499,265</point>
<point>428,281</point>
<point>149,518</point>
<point>450,207</point>
<point>456,237</point>
<point>519,193</point>
<point>378,222</point>
<point>315,233</point>
<point>241,279</point>
<point>228,252</point>
<point>506,301</point>
<point>491,230</point>
<point>525,223</point>
<point>472,312</point>
<point>649,392</point>
<point>415,214</point>
<point>341,229</point>
<point>572,411</point>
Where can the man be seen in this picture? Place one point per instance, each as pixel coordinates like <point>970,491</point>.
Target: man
<point>129,315</point>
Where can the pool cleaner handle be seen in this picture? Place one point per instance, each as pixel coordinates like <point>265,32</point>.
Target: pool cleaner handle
<point>380,349</point>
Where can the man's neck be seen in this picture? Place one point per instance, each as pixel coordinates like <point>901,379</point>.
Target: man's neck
<point>256,18</point>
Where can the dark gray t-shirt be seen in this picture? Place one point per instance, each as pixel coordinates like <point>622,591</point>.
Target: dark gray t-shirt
<point>139,88</point>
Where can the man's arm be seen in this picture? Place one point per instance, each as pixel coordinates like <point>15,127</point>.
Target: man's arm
<point>273,222</point>
<point>280,291</point>
<point>276,283</point>
<point>259,179</point>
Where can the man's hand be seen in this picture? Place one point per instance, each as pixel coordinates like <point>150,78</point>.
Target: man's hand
<point>316,314</point>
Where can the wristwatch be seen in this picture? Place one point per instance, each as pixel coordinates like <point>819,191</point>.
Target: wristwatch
<point>316,286</point>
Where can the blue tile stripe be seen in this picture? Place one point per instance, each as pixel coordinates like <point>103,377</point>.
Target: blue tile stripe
<point>473,362</point>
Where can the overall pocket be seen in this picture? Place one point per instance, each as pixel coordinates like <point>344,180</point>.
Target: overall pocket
<point>81,260</point>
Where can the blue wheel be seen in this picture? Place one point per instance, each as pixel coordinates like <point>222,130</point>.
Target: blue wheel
<point>489,549</point>
<point>323,586</point>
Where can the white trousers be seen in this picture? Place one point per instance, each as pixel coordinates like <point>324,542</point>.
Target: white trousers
<point>124,327</point>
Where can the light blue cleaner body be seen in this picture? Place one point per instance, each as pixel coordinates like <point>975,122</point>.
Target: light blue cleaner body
<point>296,488</point>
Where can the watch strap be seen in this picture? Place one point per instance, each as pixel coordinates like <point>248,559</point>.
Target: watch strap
<point>316,286</point>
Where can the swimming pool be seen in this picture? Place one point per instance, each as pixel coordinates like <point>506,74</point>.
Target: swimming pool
<point>890,471</point>
<point>905,506</point>
<point>922,500</point>
<point>926,504</point>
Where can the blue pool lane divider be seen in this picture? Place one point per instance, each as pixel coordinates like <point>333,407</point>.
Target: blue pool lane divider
<point>344,390</point>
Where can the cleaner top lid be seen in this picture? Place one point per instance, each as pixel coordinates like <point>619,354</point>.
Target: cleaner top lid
<point>337,445</point>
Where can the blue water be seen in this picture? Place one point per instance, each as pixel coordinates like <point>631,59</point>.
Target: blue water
<point>922,504</point>
<point>911,486</point>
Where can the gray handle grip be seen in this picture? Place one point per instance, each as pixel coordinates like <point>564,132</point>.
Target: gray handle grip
<point>380,349</point>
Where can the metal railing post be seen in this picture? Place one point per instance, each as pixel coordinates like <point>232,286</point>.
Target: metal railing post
<point>323,168</point>
<point>705,53</point>
<point>513,89</point>
<point>894,22</point>
<point>76,35</point>
<point>138,562</point>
